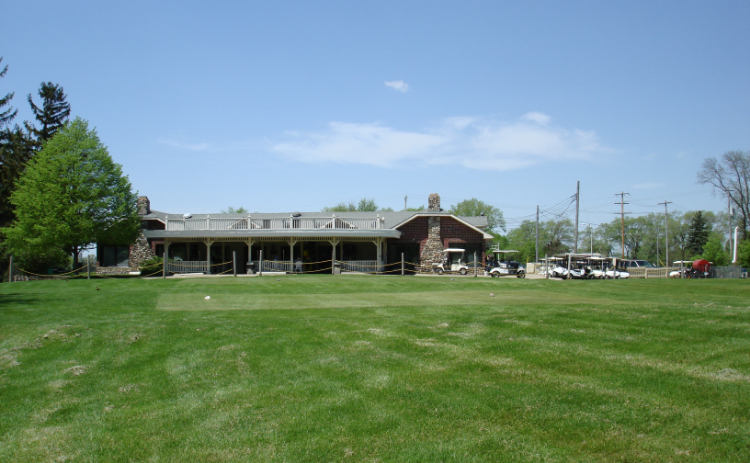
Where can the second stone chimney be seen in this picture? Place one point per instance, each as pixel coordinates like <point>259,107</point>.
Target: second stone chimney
<point>144,205</point>
<point>433,203</point>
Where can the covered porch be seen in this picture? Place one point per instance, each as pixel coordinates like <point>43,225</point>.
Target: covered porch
<point>310,254</point>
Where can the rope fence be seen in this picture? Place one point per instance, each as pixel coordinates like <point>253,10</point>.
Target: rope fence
<point>360,267</point>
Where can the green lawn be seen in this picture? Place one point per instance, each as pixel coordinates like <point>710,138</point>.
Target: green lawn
<point>323,368</point>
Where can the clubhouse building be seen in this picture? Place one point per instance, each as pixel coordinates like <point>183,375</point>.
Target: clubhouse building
<point>369,242</point>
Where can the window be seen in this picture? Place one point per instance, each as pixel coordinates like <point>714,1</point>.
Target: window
<point>115,256</point>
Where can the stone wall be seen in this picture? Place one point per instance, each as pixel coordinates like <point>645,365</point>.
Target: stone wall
<point>114,270</point>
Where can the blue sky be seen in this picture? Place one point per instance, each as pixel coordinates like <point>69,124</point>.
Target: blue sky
<point>294,106</point>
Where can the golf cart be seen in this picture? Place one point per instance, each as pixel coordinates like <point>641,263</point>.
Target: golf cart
<point>451,265</point>
<point>699,268</point>
<point>550,264</point>
<point>500,267</point>
<point>573,266</point>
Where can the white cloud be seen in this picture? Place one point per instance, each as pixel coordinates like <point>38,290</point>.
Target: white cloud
<point>399,85</point>
<point>539,118</point>
<point>474,143</point>
<point>184,146</point>
<point>360,144</point>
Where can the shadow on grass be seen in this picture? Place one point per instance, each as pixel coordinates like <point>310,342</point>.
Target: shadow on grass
<point>16,298</point>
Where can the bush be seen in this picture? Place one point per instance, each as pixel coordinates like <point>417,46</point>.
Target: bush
<point>743,253</point>
<point>151,266</point>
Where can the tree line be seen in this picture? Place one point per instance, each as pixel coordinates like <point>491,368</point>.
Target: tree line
<point>692,235</point>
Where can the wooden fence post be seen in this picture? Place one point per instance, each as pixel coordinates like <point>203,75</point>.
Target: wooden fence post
<point>475,264</point>
<point>260,263</point>
<point>234,262</point>
<point>402,264</point>
<point>164,265</point>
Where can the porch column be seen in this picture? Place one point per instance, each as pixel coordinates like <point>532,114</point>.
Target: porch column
<point>208,256</point>
<point>377,245</point>
<point>249,251</point>
<point>292,242</point>
<point>334,243</point>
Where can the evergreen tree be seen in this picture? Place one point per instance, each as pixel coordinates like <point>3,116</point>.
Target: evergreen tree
<point>15,152</point>
<point>7,115</point>
<point>52,115</point>
<point>698,235</point>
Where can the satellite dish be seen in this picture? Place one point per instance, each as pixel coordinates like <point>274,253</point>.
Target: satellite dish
<point>186,216</point>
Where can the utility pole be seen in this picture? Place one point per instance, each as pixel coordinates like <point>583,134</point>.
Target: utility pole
<point>666,231</point>
<point>578,194</point>
<point>729,214</point>
<point>657,244</point>
<point>536,230</point>
<point>622,204</point>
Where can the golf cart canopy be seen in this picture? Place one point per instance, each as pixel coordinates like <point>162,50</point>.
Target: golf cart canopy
<point>509,251</point>
<point>454,250</point>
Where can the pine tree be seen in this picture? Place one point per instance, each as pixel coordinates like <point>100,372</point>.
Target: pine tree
<point>6,116</point>
<point>698,235</point>
<point>52,115</point>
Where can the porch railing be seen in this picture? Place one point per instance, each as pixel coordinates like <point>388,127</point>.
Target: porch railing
<point>187,266</point>
<point>322,223</point>
<point>276,266</point>
<point>366,266</point>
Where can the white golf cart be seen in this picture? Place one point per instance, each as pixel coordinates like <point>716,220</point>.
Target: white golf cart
<point>549,265</point>
<point>501,267</point>
<point>451,264</point>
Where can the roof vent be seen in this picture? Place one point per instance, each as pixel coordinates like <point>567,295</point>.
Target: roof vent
<point>186,216</point>
<point>297,214</point>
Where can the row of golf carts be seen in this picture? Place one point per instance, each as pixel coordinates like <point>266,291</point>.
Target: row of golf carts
<point>496,266</point>
<point>593,266</point>
<point>568,266</point>
<point>584,267</point>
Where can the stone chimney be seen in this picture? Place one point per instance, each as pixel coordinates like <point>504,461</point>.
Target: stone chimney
<point>433,203</point>
<point>144,205</point>
<point>432,250</point>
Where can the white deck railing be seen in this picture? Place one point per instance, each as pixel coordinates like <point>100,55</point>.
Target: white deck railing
<point>276,266</point>
<point>367,266</point>
<point>323,223</point>
<point>187,266</point>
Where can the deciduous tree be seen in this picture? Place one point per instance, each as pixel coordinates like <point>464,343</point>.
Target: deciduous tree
<point>231,210</point>
<point>71,195</point>
<point>474,207</point>
<point>730,176</point>
<point>364,205</point>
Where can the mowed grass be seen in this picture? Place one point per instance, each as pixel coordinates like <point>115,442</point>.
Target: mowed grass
<point>406,369</point>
